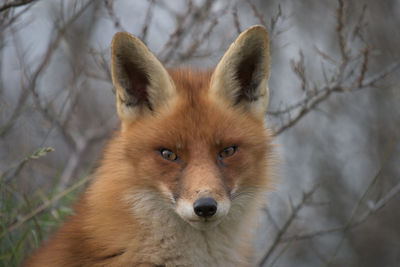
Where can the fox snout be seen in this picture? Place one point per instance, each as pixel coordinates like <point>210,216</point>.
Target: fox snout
<point>202,197</point>
<point>203,210</point>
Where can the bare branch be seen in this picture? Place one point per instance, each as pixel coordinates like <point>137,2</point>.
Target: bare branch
<point>236,19</point>
<point>274,21</point>
<point>372,210</point>
<point>83,143</point>
<point>286,225</point>
<point>341,13</point>
<point>44,206</point>
<point>175,38</point>
<point>351,220</point>
<point>40,152</point>
<point>256,13</point>
<point>147,21</point>
<point>363,66</point>
<point>110,10</point>
<point>16,3</point>
<point>381,75</point>
<point>43,65</point>
<point>299,69</point>
<point>197,41</point>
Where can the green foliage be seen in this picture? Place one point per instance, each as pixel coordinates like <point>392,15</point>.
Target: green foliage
<point>26,219</point>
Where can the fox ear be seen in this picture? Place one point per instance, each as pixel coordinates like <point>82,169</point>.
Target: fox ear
<point>241,76</point>
<point>142,83</point>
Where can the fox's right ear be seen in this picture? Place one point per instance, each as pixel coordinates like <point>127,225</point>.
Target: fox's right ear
<point>142,83</point>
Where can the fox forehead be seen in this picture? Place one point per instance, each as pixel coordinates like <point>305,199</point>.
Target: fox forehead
<point>195,120</point>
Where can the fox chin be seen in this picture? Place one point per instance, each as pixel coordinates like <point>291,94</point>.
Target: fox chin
<point>181,182</point>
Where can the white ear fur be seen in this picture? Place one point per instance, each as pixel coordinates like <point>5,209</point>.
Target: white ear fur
<point>142,83</point>
<point>241,76</point>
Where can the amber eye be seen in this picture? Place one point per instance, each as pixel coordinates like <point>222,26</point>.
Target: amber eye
<point>168,154</point>
<point>227,152</point>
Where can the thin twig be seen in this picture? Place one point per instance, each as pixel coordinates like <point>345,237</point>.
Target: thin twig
<point>15,4</point>
<point>44,206</point>
<point>373,181</point>
<point>364,65</point>
<point>236,21</point>
<point>314,98</point>
<point>371,211</point>
<point>147,21</point>
<point>341,13</point>
<point>286,225</point>
<point>256,13</point>
<point>40,152</point>
<point>110,11</point>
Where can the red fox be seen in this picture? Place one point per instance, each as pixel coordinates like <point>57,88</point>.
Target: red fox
<point>182,179</point>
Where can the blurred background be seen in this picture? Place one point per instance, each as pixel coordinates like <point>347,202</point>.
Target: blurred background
<point>334,109</point>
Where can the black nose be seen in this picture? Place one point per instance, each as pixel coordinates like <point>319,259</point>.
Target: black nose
<point>205,207</point>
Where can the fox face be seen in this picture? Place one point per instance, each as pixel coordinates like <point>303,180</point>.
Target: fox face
<point>195,138</point>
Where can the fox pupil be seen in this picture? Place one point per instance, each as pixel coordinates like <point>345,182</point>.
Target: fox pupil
<point>227,152</point>
<point>168,154</point>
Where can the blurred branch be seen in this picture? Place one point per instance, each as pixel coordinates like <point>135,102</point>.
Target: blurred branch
<point>176,37</point>
<point>83,143</point>
<point>16,3</point>
<point>77,143</point>
<point>100,60</point>
<point>17,112</point>
<point>366,83</point>
<point>236,21</point>
<point>147,21</point>
<point>340,82</point>
<point>363,66</point>
<point>52,46</point>
<point>44,206</point>
<point>272,27</point>
<point>293,214</point>
<point>307,104</point>
<point>350,221</point>
<point>40,152</point>
<point>7,22</point>
<point>8,18</point>
<point>109,4</point>
<point>341,12</point>
<point>256,13</point>
<point>197,41</point>
<point>373,208</point>
<point>271,218</point>
<point>380,75</point>
<point>190,23</point>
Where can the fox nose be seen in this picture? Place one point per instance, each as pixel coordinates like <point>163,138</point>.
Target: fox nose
<point>205,207</point>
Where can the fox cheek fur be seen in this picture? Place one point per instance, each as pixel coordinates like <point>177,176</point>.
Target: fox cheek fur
<point>181,180</point>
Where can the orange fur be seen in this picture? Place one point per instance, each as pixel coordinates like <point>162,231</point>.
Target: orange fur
<point>127,216</point>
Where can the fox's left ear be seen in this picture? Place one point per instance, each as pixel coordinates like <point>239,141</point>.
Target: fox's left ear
<point>241,76</point>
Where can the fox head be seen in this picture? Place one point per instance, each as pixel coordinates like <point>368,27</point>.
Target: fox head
<point>196,138</point>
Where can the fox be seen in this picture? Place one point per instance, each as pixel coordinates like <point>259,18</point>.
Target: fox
<point>183,178</point>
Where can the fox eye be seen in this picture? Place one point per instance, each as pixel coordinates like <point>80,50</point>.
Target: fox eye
<point>227,152</point>
<point>168,154</point>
